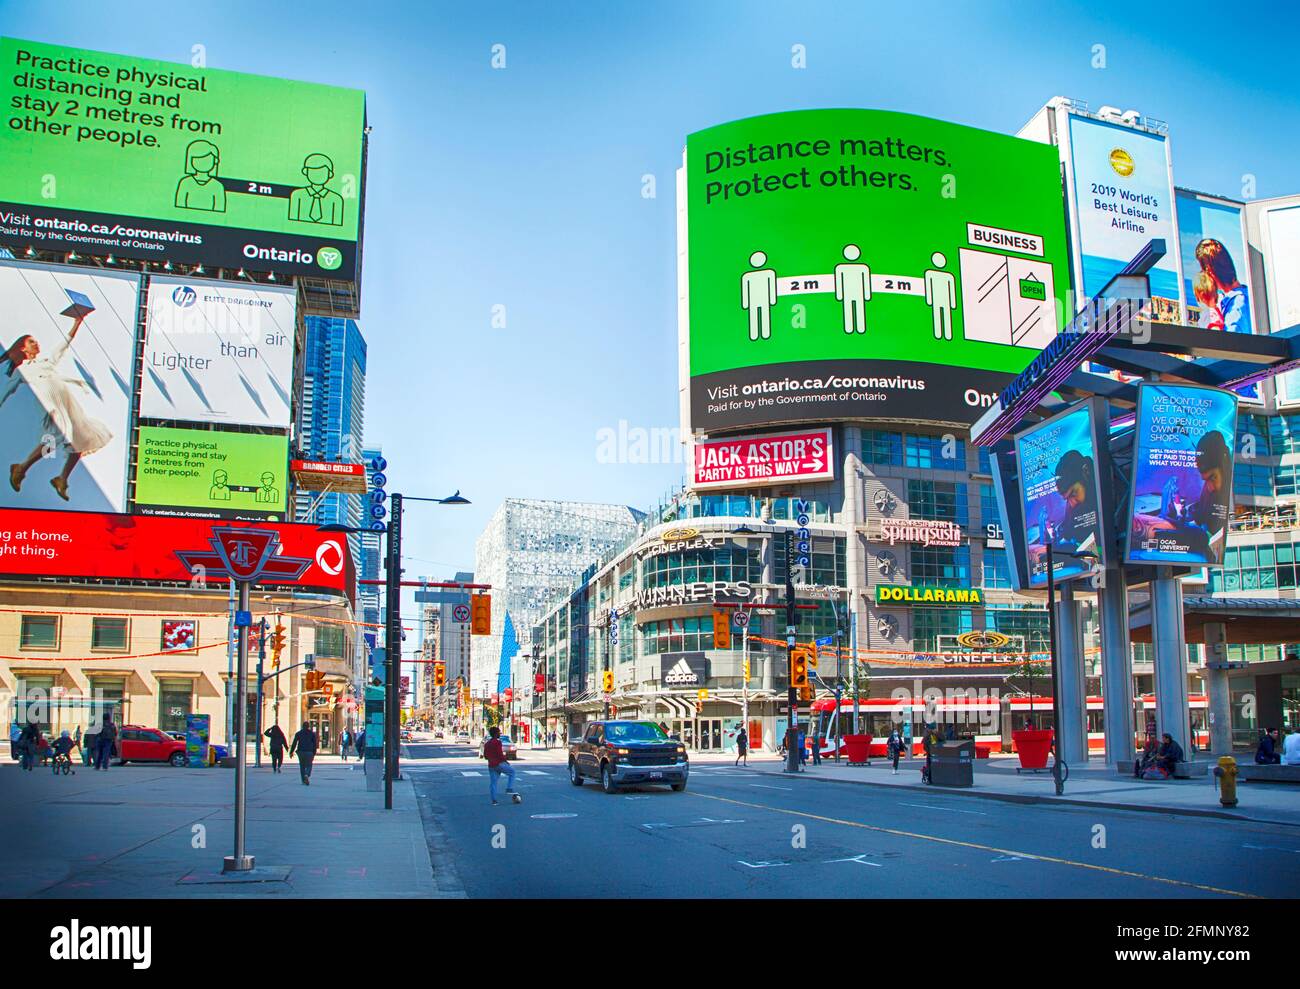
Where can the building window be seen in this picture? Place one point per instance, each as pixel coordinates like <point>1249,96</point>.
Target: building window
<point>1284,434</point>
<point>997,571</point>
<point>1258,427</point>
<point>731,564</point>
<point>32,702</point>
<point>1253,480</point>
<point>108,634</point>
<point>941,566</point>
<point>330,641</point>
<point>108,694</point>
<point>39,632</point>
<point>881,447</point>
<point>680,635</point>
<point>929,452</point>
<point>930,623</point>
<point>986,464</point>
<point>786,509</point>
<point>940,500</point>
<point>827,565</point>
<point>989,506</point>
<point>1023,623</point>
<point>174,703</point>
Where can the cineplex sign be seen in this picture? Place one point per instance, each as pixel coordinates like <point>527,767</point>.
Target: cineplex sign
<point>750,460</point>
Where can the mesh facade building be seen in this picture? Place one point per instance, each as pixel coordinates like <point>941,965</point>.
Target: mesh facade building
<point>531,551</point>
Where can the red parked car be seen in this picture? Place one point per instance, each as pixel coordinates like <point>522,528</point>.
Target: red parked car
<point>139,744</point>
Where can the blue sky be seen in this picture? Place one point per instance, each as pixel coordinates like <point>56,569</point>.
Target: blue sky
<point>522,187</point>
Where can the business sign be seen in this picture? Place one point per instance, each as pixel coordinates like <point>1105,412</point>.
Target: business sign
<point>1065,493</point>
<point>689,593</point>
<point>905,594</point>
<point>683,669</point>
<point>926,532</point>
<point>198,730</point>
<point>65,386</point>
<point>111,154</point>
<point>1216,267</point>
<point>138,547</point>
<point>1123,198</point>
<point>1281,241</point>
<point>863,263</point>
<point>752,460</point>
<point>324,475</point>
<point>199,473</point>
<point>1182,474</point>
<point>215,352</point>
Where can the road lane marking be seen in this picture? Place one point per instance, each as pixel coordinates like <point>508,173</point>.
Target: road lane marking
<point>946,810</point>
<point>1273,848</point>
<point>550,817</point>
<point>767,787</point>
<point>857,859</point>
<point>534,772</point>
<point>762,865</point>
<point>470,772</point>
<point>984,848</point>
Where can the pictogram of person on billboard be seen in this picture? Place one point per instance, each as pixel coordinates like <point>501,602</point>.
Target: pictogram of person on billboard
<point>314,203</point>
<point>200,188</point>
<point>853,288</point>
<point>940,296</point>
<point>758,296</point>
<point>79,434</point>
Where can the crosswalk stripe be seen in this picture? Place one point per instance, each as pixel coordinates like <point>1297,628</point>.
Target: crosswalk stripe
<point>534,772</point>
<point>470,772</point>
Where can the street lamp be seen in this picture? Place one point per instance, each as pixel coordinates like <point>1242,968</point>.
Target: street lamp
<point>1059,770</point>
<point>393,623</point>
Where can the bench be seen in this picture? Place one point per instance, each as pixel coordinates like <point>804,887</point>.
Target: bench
<point>1182,770</point>
<point>1255,773</point>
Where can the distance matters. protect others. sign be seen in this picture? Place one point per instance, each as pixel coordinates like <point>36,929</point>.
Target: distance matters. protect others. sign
<point>111,154</point>
<point>754,460</point>
<point>864,264</point>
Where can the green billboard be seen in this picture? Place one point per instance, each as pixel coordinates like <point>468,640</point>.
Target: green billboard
<point>199,473</point>
<point>846,264</point>
<point>106,153</point>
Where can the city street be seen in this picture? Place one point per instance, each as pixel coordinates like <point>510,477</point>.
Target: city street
<point>734,833</point>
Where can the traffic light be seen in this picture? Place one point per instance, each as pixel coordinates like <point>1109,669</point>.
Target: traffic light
<point>314,680</point>
<point>439,674</point>
<point>480,614</point>
<point>805,692</point>
<point>721,630</point>
<point>799,668</point>
<point>607,681</point>
<point>702,694</point>
<point>812,659</point>
<point>277,645</point>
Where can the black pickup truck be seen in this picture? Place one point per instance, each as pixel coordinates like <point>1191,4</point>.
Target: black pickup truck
<point>619,753</point>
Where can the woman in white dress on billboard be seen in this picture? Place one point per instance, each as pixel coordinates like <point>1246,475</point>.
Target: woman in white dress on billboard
<point>79,433</point>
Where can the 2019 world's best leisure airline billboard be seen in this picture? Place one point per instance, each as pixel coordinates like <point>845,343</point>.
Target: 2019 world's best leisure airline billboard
<point>865,264</point>
<point>110,154</point>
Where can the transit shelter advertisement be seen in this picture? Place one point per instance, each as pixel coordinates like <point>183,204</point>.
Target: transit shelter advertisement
<point>864,263</point>
<point>211,474</point>
<point>1182,474</point>
<point>1124,198</point>
<point>65,386</point>
<point>1062,486</point>
<point>218,353</point>
<point>104,153</point>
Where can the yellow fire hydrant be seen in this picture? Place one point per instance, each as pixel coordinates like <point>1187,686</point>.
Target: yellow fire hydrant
<point>1225,774</point>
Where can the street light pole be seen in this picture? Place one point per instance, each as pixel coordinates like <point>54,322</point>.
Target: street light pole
<point>1057,765</point>
<point>791,624</point>
<point>393,641</point>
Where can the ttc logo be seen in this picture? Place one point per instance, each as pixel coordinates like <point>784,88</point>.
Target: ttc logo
<point>184,296</point>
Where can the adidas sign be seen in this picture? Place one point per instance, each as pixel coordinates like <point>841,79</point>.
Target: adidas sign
<point>681,673</point>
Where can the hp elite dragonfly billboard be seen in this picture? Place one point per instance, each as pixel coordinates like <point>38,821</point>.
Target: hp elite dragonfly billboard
<point>112,154</point>
<point>863,264</point>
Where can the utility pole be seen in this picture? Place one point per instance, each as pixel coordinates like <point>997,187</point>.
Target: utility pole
<point>791,627</point>
<point>261,658</point>
<point>393,637</point>
<point>1057,766</point>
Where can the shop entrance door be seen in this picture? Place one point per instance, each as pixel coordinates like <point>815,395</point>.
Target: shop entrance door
<point>325,740</point>
<point>710,734</point>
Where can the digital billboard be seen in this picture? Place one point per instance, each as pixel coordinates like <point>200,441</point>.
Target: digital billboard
<point>749,460</point>
<point>105,153</point>
<point>211,474</point>
<point>1062,483</point>
<point>218,353</point>
<point>1123,198</point>
<point>1281,231</point>
<point>1181,484</point>
<point>1216,267</point>
<point>863,264</point>
<point>137,547</point>
<point>65,386</point>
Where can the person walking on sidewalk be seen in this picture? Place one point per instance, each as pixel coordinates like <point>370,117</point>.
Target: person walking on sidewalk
<point>930,742</point>
<point>304,744</point>
<point>105,743</point>
<point>28,743</point>
<point>361,743</point>
<point>345,743</point>
<point>895,748</point>
<point>742,746</point>
<point>803,748</point>
<point>817,748</point>
<point>278,744</point>
<point>496,760</point>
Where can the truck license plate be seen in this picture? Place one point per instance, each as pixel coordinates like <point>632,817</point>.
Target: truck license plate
<point>656,776</point>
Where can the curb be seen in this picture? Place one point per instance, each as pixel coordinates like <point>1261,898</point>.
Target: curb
<point>1015,798</point>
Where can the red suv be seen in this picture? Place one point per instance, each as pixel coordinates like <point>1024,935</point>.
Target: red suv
<point>138,744</point>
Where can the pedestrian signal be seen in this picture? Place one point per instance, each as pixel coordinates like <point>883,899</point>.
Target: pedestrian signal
<point>702,694</point>
<point>607,681</point>
<point>721,630</point>
<point>480,614</point>
<point>799,668</point>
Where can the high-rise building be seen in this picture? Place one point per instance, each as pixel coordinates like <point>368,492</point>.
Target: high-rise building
<point>370,563</point>
<point>529,552</point>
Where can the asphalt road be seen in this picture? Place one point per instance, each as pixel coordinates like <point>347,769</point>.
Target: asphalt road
<point>737,833</point>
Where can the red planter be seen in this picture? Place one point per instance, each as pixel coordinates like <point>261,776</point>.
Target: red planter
<point>1033,745</point>
<point>857,748</point>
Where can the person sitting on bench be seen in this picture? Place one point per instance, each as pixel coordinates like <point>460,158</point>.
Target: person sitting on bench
<point>1147,759</point>
<point>1169,755</point>
<point>1267,754</point>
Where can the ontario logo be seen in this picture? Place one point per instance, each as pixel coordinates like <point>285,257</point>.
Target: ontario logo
<point>1121,161</point>
<point>184,296</point>
<point>329,258</point>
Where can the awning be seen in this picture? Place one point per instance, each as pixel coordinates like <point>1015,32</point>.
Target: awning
<point>680,709</point>
<point>1249,621</point>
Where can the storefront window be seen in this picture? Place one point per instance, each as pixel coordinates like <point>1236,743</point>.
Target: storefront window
<point>174,702</point>
<point>108,694</point>
<point>32,701</point>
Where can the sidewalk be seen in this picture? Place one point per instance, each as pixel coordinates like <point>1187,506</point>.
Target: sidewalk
<point>133,832</point>
<point>1093,785</point>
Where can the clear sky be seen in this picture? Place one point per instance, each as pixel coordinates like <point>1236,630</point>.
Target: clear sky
<point>523,187</point>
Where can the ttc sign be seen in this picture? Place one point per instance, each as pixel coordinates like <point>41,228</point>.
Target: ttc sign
<point>245,555</point>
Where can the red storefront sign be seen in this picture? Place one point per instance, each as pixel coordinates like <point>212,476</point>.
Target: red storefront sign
<point>323,475</point>
<point>142,547</point>
<point>749,460</point>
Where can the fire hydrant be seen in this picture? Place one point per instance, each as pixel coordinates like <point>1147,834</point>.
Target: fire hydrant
<point>1225,774</point>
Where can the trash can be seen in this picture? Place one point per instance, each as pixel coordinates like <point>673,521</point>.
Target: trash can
<point>953,764</point>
